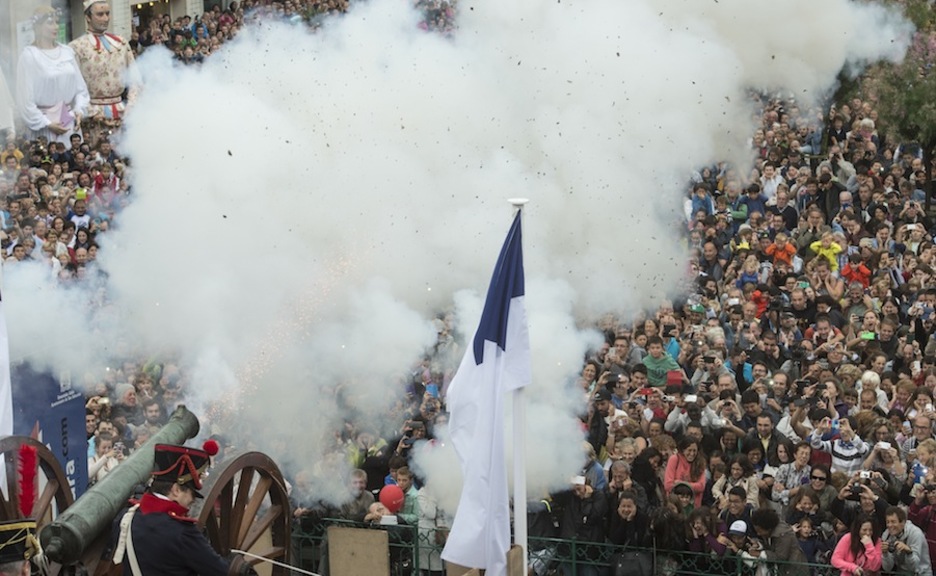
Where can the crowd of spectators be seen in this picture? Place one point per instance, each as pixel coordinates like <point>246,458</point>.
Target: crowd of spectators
<point>192,40</point>
<point>781,410</point>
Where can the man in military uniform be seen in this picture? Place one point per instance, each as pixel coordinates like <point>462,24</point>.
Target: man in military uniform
<point>107,65</point>
<point>156,536</point>
<point>18,544</point>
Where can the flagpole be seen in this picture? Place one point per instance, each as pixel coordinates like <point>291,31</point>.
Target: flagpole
<point>519,444</point>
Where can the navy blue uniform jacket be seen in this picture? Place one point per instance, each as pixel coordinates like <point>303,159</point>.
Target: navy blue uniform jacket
<point>167,543</point>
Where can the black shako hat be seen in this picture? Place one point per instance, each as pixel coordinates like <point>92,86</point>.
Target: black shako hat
<point>183,465</point>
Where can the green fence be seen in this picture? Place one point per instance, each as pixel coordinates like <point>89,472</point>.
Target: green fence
<point>411,550</point>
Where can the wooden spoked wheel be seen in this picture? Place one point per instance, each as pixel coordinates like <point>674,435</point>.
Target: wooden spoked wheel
<point>53,494</point>
<point>246,508</point>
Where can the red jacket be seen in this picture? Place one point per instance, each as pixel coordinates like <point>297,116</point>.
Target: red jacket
<point>859,273</point>
<point>925,519</point>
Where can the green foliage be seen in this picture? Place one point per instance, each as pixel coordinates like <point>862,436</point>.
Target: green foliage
<point>903,93</point>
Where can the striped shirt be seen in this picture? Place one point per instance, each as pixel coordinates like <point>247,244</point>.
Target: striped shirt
<point>847,457</point>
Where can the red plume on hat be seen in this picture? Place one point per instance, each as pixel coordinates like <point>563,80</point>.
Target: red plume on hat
<point>211,446</point>
<point>27,479</point>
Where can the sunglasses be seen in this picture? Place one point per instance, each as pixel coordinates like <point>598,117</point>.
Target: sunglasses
<point>822,478</point>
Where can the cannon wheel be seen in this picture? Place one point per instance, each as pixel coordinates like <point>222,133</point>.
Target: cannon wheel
<point>53,494</point>
<point>246,508</point>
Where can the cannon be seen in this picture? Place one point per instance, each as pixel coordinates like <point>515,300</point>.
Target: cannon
<point>245,506</point>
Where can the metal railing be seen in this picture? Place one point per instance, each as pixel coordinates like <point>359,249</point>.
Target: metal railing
<point>413,549</point>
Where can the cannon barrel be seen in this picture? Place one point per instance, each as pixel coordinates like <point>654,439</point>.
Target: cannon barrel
<point>67,538</point>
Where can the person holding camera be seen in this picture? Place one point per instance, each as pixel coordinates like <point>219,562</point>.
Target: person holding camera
<point>688,408</point>
<point>922,511</point>
<point>903,545</point>
<point>712,368</point>
<point>777,543</point>
<point>108,454</point>
<point>413,430</point>
<point>847,450</point>
<point>856,498</point>
<point>912,214</point>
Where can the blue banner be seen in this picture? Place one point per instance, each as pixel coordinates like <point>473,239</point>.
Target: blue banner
<point>51,411</point>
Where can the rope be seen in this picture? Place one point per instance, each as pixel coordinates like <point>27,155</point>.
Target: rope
<point>275,563</point>
<point>39,557</point>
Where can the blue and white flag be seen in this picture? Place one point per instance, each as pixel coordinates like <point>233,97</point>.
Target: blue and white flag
<point>497,362</point>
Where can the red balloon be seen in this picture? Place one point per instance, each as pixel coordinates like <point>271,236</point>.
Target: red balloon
<point>392,497</point>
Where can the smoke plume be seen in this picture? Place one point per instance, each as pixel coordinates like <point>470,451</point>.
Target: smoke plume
<point>304,204</point>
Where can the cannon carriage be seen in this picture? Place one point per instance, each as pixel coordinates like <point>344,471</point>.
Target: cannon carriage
<point>245,506</point>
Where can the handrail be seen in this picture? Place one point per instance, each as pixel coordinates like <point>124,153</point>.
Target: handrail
<point>410,546</point>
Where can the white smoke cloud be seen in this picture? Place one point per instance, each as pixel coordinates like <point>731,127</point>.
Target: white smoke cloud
<point>304,203</point>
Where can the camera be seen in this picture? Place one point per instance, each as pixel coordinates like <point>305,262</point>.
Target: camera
<point>864,475</point>
<point>856,489</point>
<point>884,445</point>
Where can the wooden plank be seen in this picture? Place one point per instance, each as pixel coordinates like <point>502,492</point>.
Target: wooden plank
<point>260,525</point>
<point>456,570</point>
<point>273,552</point>
<point>515,561</point>
<point>514,565</point>
<point>223,517</point>
<point>43,505</point>
<point>253,505</point>
<point>356,551</point>
<point>240,503</point>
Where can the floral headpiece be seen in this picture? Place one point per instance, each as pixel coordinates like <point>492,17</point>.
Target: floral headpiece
<point>44,13</point>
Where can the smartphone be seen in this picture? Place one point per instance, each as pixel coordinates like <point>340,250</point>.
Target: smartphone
<point>433,390</point>
<point>868,336</point>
